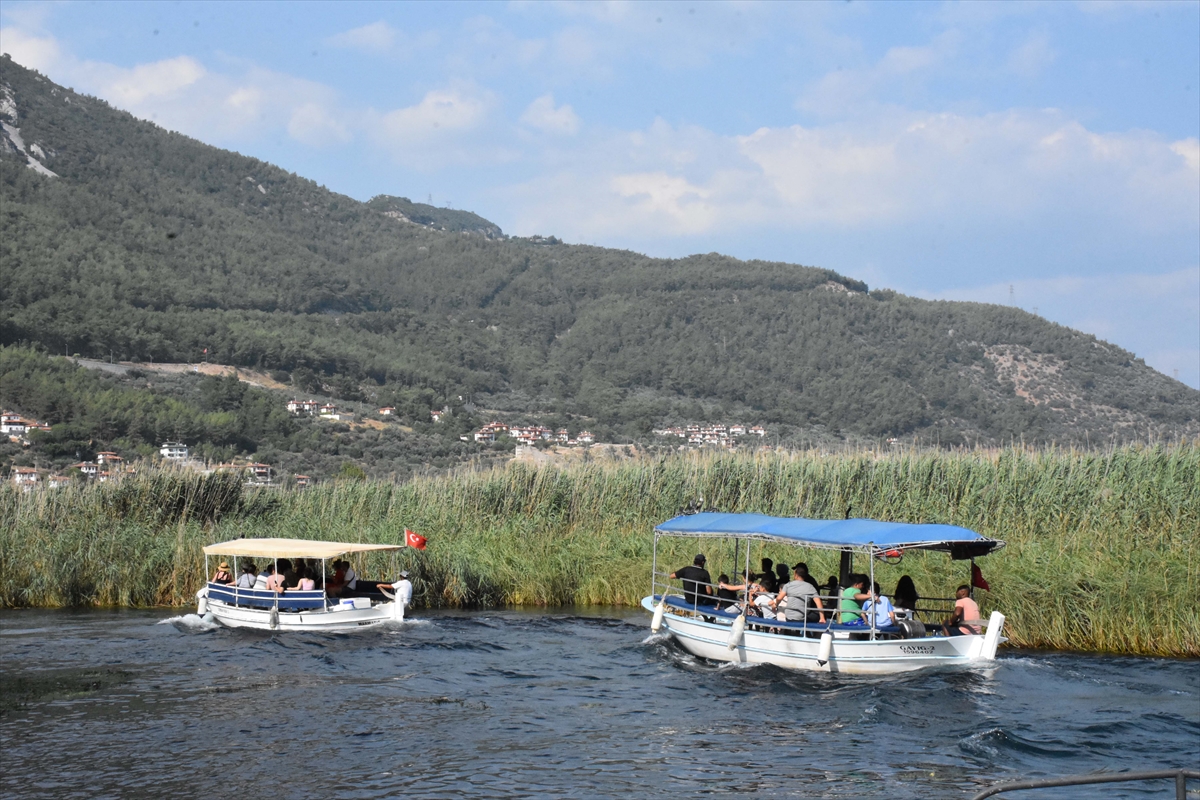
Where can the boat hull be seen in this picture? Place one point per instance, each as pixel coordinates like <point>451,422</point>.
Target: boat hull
<point>711,640</point>
<point>233,616</point>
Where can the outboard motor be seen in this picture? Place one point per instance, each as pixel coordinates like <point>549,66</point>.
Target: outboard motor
<point>911,628</point>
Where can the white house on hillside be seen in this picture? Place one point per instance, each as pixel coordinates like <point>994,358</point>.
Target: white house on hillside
<point>173,451</point>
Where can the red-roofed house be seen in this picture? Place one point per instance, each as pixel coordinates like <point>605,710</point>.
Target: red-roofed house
<point>25,477</point>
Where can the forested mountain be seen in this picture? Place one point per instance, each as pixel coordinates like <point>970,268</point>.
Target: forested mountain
<point>121,238</point>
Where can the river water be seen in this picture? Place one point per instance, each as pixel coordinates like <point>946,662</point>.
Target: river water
<point>547,704</point>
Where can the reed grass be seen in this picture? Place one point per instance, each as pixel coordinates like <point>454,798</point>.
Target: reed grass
<point>1100,556</point>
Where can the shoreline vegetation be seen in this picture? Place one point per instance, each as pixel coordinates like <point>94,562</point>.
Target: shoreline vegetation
<point>1100,553</point>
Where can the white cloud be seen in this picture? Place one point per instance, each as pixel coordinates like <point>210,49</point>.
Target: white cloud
<point>36,52</point>
<point>657,194</point>
<point>440,112</point>
<point>376,37</point>
<point>542,115</point>
<point>1013,169</point>
<point>846,90</point>
<point>133,87</point>
<point>314,124</point>
<point>1032,56</point>
<point>220,107</point>
<point>1189,150</point>
<point>446,127</point>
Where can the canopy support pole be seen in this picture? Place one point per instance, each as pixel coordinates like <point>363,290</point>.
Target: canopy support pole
<point>746,583</point>
<point>971,580</point>
<point>845,567</point>
<point>871,588</point>
<point>654,565</point>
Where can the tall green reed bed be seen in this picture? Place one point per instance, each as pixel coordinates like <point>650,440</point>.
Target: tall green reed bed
<point>1100,556</point>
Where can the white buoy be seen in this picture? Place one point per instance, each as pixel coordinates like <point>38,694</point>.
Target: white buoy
<point>656,620</point>
<point>202,602</point>
<point>992,640</point>
<point>737,632</point>
<point>824,649</point>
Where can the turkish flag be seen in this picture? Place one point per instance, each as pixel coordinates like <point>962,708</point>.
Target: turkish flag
<point>413,540</point>
<point>977,579</point>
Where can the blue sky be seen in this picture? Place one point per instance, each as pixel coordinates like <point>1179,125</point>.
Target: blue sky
<point>944,150</point>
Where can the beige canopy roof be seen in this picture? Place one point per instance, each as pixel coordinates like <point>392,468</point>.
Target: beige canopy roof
<point>290,548</point>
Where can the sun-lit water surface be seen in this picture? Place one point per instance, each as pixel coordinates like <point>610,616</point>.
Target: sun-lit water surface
<point>552,703</point>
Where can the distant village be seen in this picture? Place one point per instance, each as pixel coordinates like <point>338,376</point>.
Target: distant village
<point>109,466</point>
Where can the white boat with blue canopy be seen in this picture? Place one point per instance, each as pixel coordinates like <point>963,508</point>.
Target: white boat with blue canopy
<point>730,633</point>
<point>364,605</point>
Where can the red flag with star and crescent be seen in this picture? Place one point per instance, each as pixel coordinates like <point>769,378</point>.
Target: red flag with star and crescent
<point>413,540</point>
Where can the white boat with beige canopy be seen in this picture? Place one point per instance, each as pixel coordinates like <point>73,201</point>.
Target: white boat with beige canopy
<point>365,605</point>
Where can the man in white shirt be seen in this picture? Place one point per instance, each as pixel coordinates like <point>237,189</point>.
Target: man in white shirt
<point>402,588</point>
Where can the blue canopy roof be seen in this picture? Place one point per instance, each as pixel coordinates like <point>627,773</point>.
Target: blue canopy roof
<point>859,534</point>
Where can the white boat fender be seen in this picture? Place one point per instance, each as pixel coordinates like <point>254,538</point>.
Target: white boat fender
<point>274,618</point>
<point>656,620</point>
<point>737,632</point>
<point>992,640</point>
<point>824,649</point>
<point>202,602</point>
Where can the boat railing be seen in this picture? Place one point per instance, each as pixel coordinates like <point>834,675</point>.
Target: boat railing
<point>266,598</point>
<point>931,611</point>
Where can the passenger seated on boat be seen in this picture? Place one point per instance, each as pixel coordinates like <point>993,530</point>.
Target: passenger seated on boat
<point>831,590</point>
<point>246,579</point>
<point>306,583</point>
<point>766,578</point>
<point>881,607</point>
<point>260,580</point>
<point>336,581</point>
<point>802,568</point>
<point>748,585</point>
<point>275,580</point>
<point>905,597</point>
<point>288,574</point>
<point>965,619</point>
<point>852,597</point>
<point>802,600</point>
<point>781,575</point>
<point>696,582</point>
<point>223,575</point>
<point>726,597</point>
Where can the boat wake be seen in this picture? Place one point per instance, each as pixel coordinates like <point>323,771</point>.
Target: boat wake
<point>191,623</point>
<point>394,626</point>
